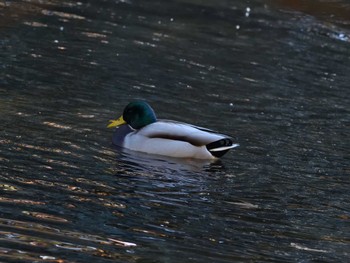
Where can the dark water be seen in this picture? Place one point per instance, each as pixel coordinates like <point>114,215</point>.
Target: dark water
<point>274,74</point>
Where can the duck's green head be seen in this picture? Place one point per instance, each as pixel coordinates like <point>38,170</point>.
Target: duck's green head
<point>137,114</point>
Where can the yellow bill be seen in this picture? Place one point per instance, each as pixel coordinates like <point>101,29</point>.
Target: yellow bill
<point>116,123</point>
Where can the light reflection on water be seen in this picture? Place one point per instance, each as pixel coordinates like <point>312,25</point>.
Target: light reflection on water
<point>278,81</point>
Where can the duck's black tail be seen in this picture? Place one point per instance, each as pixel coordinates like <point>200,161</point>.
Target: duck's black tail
<point>220,147</point>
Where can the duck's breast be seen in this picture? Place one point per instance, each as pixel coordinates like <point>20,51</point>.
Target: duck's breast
<point>120,134</point>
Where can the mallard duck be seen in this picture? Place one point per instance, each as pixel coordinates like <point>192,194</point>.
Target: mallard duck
<point>138,129</point>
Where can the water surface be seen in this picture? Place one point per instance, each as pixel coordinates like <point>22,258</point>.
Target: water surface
<point>273,75</point>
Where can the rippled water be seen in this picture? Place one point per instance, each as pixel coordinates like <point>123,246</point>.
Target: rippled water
<point>274,74</point>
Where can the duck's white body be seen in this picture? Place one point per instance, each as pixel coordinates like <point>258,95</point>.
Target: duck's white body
<point>173,139</point>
